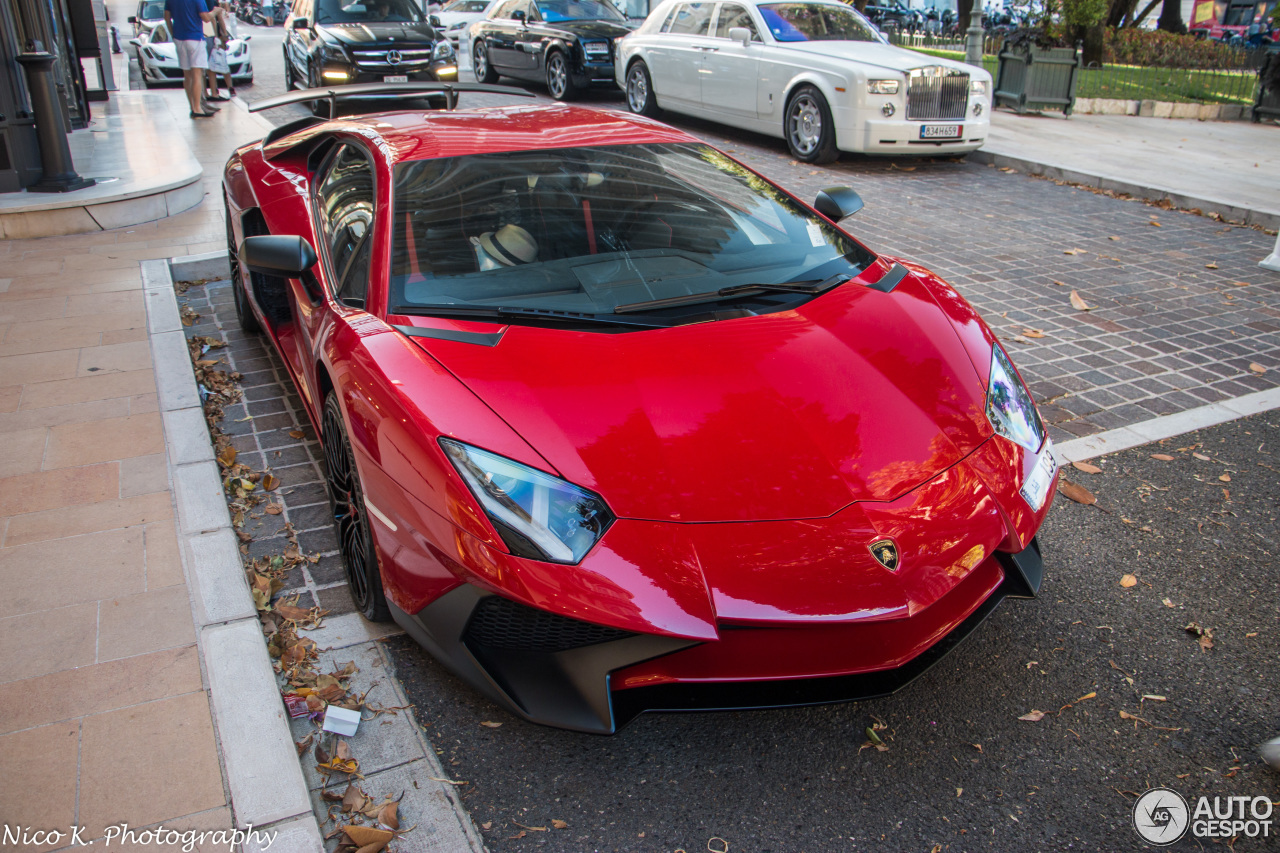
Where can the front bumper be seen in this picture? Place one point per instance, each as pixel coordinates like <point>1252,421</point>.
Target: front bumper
<point>561,672</point>
<point>865,130</point>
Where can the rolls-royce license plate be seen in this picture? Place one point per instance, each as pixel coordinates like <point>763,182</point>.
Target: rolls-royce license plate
<point>396,78</point>
<point>941,131</point>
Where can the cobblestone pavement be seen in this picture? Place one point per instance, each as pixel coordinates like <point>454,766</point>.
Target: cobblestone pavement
<point>263,429</point>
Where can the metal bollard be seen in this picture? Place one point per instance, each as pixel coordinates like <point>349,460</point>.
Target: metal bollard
<point>55,151</point>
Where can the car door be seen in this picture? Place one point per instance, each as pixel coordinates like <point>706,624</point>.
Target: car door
<point>531,38</point>
<point>501,33</point>
<point>730,69</point>
<point>297,43</point>
<point>675,59</point>
<point>343,202</point>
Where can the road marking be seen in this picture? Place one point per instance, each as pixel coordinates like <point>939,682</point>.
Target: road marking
<point>1167,426</point>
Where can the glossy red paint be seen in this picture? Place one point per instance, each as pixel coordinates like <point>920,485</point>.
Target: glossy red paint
<point>751,462</point>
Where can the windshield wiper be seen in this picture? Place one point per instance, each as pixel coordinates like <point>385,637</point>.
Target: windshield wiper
<point>503,313</point>
<point>814,286</point>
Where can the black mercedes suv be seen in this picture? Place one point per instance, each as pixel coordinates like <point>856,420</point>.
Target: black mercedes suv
<point>333,42</point>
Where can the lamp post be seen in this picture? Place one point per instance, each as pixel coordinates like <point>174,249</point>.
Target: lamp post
<point>55,152</point>
<point>973,36</point>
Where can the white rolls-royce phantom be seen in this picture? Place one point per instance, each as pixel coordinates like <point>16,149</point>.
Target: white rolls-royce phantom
<point>814,72</point>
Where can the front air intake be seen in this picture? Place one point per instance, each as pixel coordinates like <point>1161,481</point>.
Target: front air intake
<point>499,623</point>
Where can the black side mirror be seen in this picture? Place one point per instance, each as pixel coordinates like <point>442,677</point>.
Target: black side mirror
<point>300,23</point>
<point>133,19</point>
<point>836,203</point>
<point>519,16</point>
<point>436,22</point>
<point>277,254</point>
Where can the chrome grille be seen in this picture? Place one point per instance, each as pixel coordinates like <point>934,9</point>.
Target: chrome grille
<point>937,93</point>
<point>378,58</point>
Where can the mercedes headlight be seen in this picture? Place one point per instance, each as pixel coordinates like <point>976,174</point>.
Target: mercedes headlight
<point>539,516</point>
<point>1010,409</point>
<point>443,50</point>
<point>882,87</point>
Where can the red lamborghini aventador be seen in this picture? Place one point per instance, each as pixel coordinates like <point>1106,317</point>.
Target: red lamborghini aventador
<point>612,423</point>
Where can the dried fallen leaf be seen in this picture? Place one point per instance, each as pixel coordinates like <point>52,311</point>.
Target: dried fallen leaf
<point>1086,467</point>
<point>1153,697</point>
<point>274,509</point>
<point>1090,695</point>
<point>296,433</point>
<point>1211,266</point>
<point>1257,368</point>
<point>1078,303</point>
<point>1076,492</point>
<point>559,824</point>
<point>1226,478</point>
<point>489,724</point>
<point>387,816</point>
<point>1074,252</point>
<point>1128,581</point>
<point>1163,457</point>
<point>1202,457</point>
<point>269,482</point>
<point>1156,224</point>
<point>1166,602</point>
<point>364,836</point>
<point>1033,333</point>
<point>1032,716</point>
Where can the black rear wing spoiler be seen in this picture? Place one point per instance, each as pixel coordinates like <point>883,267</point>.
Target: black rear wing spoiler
<point>333,94</point>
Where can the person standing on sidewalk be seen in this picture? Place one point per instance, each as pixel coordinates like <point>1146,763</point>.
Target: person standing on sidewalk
<point>225,25</point>
<point>185,20</point>
<point>211,43</point>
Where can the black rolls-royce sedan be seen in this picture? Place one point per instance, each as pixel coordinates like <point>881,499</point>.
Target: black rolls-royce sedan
<point>566,43</point>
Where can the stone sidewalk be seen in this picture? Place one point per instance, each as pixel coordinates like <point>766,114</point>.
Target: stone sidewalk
<point>104,714</point>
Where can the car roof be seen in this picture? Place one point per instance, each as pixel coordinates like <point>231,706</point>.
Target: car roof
<point>424,135</point>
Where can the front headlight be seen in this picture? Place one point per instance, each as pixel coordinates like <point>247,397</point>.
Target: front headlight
<point>882,87</point>
<point>457,26</point>
<point>1010,409</point>
<point>443,50</point>
<point>978,88</point>
<point>539,516</point>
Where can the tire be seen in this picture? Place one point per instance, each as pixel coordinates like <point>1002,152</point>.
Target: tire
<point>244,313</point>
<point>346,497</point>
<point>288,73</point>
<point>480,63</point>
<point>320,108</point>
<point>808,128</point>
<point>641,99</point>
<point>559,77</point>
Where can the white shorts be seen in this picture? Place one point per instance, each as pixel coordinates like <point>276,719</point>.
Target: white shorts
<point>192,54</point>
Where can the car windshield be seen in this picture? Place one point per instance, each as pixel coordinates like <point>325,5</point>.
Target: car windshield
<point>152,11</point>
<point>577,10</point>
<point>367,11</point>
<point>467,6</point>
<point>589,229</point>
<point>816,22</point>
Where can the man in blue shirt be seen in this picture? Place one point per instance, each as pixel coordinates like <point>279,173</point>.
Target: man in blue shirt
<point>185,19</point>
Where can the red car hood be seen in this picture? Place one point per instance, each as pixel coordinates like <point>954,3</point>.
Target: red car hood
<point>856,395</point>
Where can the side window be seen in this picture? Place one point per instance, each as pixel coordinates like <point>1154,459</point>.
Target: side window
<point>531,12</point>
<point>504,11</point>
<point>691,19</point>
<point>732,15</point>
<point>160,35</point>
<point>345,197</point>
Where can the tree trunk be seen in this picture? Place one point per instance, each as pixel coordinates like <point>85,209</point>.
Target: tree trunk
<point>860,5</point>
<point>1142,16</point>
<point>964,11</point>
<point>1171,17</point>
<point>1119,11</point>
<point>1094,40</point>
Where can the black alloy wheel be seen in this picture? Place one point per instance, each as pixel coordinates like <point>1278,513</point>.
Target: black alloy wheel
<point>559,77</point>
<point>350,519</point>
<point>809,129</point>
<point>640,97</point>
<point>318,107</point>
<point>289,82</point>
<point>244,314</point>
<point>480,63</point>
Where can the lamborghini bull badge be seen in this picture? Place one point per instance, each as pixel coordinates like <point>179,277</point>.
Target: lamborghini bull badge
<point>886,553</point>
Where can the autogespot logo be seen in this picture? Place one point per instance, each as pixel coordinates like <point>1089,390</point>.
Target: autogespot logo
<point>1161,816</point>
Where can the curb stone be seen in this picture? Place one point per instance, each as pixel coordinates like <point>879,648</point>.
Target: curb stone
<point>266,781</point>
<point>1249,216</point>
<point>258,757</point>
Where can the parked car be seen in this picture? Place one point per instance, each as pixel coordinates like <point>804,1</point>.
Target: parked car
<point>814,72</point>
<point>150,15</point>
<point>337,42</point>
<point>158,57</point>
<point>890,15</point>
<point>568,44</point>
<point>613,423</point>
<point>461,14</point>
